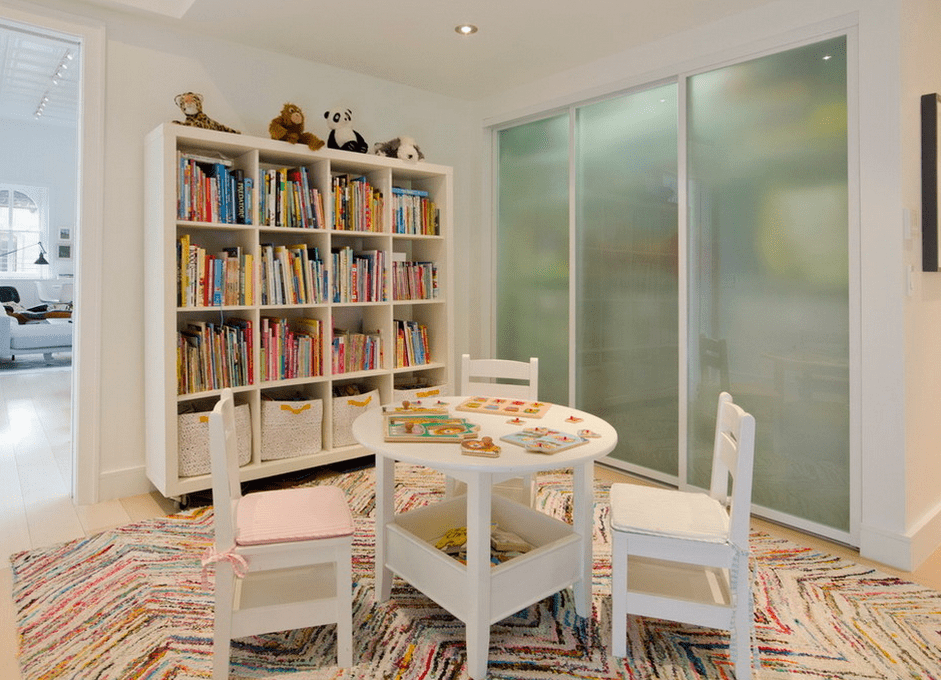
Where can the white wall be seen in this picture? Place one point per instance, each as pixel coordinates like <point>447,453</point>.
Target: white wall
<point>898,497</point>
<point>148,65</point>
<point>921,74</point>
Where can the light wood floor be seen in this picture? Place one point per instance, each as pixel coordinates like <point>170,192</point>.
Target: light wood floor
<point>35,478</point>
<point>35,481</point>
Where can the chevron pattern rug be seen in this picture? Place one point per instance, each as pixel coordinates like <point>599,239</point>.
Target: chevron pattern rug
<point>131,603</point>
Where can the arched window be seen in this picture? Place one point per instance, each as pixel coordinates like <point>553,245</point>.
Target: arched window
<point>23,220</point>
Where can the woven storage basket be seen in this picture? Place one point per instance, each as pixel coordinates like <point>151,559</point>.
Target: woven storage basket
<point>290,428</point>
<point>193,440</point>
<point>345,410</point>
<point>419,393</point>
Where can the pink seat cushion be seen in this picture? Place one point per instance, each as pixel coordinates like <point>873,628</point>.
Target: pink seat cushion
<point>293,515</point>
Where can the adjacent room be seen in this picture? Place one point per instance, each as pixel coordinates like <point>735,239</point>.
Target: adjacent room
<point>468,341</point>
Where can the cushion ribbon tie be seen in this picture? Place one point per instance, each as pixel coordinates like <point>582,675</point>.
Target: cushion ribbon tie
<point>238,562</point>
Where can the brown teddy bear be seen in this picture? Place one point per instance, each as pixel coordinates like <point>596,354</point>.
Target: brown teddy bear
<point>289,126</point>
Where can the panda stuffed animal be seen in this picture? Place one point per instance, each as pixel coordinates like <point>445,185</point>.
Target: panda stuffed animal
<point>342,135</point>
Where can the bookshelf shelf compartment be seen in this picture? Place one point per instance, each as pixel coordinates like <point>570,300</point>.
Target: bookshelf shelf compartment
<point>245,233</point>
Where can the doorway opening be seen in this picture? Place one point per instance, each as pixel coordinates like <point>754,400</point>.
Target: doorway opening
<point>81,239</point>
<point>40,84</point>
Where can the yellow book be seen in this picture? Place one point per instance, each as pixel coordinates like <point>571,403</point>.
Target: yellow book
<point>249,271</point>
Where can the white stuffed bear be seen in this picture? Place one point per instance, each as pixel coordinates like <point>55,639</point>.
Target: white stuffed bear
<point>400,147</point>
<point>342,135</point>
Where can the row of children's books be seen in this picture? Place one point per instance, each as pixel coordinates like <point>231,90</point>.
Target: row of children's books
<point>213,279</point>
<point>288,198</point>
<point>292,275</point>
<point>291,348</point>
<point>295,275</point>
<point>358,276</point>
<point>357,205</point>
<point>414,213</point>
<point>355,351</point>
<point>412,347</point>
<point>211,190</point>
<point>414,280</point>
<point>213,356</point>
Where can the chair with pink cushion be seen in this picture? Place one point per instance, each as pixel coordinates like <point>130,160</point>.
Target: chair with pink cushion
<point>282,558</point>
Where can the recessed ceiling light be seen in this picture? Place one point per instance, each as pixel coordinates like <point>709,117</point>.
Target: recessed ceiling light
<point>828,57</point>
<point>465,29</point>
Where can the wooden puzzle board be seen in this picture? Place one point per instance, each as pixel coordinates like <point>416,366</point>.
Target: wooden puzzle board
<point>544,440</point>
<point>428,429</point>
<point>503,406</point>
<point>415,408</point>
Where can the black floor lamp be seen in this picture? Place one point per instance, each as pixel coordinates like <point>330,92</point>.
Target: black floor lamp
<point>39,260</point>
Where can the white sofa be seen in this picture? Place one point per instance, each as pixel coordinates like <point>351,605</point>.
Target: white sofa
<point>34,338</point>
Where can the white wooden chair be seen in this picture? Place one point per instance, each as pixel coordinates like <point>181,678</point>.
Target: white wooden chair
<point>689,545</point>
<point>283,558</point>
<point>480,377</point>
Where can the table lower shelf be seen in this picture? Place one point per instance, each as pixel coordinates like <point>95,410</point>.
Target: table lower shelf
<point>552,565</point>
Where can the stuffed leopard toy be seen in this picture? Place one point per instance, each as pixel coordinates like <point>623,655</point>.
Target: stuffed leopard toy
<point>191,104</point>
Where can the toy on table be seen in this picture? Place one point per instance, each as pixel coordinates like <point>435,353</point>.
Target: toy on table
<point>480,447</point>
<point>544,440</point>
<point>428,428</point>
<point>502,406</point>
<point>415,408</point>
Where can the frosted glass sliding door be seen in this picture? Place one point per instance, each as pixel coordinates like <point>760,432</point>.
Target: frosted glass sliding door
<point>626,324</point>
<point>768,272</point>
<point>532,267</point>
<point>766,258</point>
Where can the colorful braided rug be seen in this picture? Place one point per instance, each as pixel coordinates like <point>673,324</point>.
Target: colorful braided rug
<point>131,603</point>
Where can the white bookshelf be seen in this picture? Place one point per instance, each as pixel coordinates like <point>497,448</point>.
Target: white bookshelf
<point>165,316</point>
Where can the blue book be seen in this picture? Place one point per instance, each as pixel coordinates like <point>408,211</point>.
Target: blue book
<point>217,281</point>
<point>409,192</point>
<point>249,186</point>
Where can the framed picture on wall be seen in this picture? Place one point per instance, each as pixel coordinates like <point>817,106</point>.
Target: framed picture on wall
<point>65,251</point>
<point>65,233</point>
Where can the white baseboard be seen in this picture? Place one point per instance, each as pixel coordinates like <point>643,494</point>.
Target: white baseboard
<point>926,535</point>
<point>114,484</point>
<point>894,550</point>
<point>903,551</point>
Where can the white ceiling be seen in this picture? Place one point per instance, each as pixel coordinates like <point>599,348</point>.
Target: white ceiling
<point>38,80</point>
<point>413,41</point>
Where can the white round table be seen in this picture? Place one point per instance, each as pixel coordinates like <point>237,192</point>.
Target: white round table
<point>480,594</point>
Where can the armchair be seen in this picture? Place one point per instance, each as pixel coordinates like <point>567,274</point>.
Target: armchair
<point>10,299</point>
